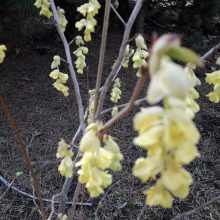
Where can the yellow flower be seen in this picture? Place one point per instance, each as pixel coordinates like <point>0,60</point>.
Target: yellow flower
<point>79,40</point>
<point>214,97</point>
<point>139,41</point>
<point>176,179</point>
<point>90,142</point>
<point>96,159</point>
<point>169,81</point>
<point>179,128</point>
<point>128,53</point>
<point>186,152</point>
<point>148,168</point>
<point>63,150</point>
<point>147,118</point>
<point>158,195</point>
<point>213,78</point>
<point>116,91</point>
<point>151,137</point>
<point>66,167</point>
<point>112,147</point>
<point>88,10</point>
<point>56,62</point>
<point>2,52</point>
<point>44,6</point>
<point>61,18</point>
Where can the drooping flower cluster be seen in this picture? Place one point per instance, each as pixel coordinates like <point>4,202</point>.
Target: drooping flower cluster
<point>2,52</point>
<point>44,6</point>
<point>167,133</point>
<point>140,55</point>
<point>116,91</point>
<point>214,79</point>
<point>128,53</point>
<point>88,10</point>
<point>61,78</point>
<point>80,53</point>
<point>66,165</point>
<point>62,19</point>
<point>96,160</point>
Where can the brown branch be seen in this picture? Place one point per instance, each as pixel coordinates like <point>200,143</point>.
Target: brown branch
<point>22,147</point>
<point>102,50</point>
<point>190,212</point>
<point>136,92</point>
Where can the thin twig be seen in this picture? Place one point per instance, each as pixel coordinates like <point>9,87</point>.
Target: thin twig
<point>120,57</point>
<point>190,212</point>
<point>70,65</point>
<point>23,150</point>
<point>118,15</point>
<point>102,51</point>
<point>211,51</point>
<point>7,183</point>
<point>136,92</point>
<point>121,106</point>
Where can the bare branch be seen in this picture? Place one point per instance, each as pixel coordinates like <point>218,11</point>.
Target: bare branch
<point>120,57</point>
<point>118,15</point>
<point>211,51</point>
<point>193,211</point>
<point>70,65</point>
<point>120,106</point>
<point>102,50</point>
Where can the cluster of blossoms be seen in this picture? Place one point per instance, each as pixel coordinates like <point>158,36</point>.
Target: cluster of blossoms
<point>88,10</point>
<point>61,78</point>
<point>116,91</point>
<point>44,6</point>
<point>2,52</point>
<point>140,55</point>
<point>66,165</point>
<point>62,19</point>
<point>80,53</point>
<point>96,160</point>
<point>167,133</point>
<point>128,53</point>
<point>214,79</point>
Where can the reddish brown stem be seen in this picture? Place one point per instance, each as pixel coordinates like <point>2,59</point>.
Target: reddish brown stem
<point>136,92</point>
<point>22,147</point>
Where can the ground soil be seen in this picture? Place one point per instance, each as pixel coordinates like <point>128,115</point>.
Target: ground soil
<point>43,116</point>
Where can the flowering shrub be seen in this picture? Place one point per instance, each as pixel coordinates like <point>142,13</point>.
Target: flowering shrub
<point>166,130</point>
